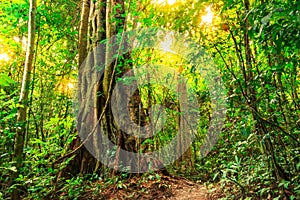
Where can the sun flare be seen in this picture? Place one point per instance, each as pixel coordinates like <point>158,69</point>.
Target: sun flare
<point>4,57</point>
<point>209,16</point>
<point>70,86</point>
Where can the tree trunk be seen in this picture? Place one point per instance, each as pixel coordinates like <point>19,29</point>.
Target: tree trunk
<point>104,22</point>
<point>83,30</point>
<point>23,101</point>
<point>186,159</point>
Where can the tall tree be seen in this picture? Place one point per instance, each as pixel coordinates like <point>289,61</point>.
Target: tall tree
<point>106,21</point>
<point>100,20</point>
<point>23,101</point>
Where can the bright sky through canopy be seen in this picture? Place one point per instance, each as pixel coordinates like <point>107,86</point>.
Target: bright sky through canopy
<point>70,86</point>
<point>166,44</point>
<point>209,16</point>
<point>170,2</point>
<point>4,57</point>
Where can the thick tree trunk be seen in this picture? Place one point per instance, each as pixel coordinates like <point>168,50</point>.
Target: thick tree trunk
<point>83,30</point>
<point>106,20</point>
<point>92,31</point>
<point>95,92</point>
<point>23,101</point>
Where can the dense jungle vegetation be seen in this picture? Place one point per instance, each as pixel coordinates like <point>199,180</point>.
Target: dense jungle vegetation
<point>218,80</point>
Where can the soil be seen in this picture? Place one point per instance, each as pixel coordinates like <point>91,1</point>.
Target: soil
<point>144,188</point>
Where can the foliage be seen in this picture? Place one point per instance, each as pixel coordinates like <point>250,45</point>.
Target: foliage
<point>255,45</point>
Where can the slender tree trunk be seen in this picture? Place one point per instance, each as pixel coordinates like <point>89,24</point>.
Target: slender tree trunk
<point>23,101</point>
<point>186,159</point>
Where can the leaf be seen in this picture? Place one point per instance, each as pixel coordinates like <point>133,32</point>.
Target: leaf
<point>157,176</point>
<point>265,20</point>
<point>215,176</point>
<point>298,166</point>
<point>13,168</point>
<point>6,80</point>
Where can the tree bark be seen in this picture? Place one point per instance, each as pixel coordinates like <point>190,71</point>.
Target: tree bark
<point>23,101</point>
<point>83,30</point>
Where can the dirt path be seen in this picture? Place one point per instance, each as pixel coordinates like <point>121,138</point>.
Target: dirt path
<point>167,187</point>
<point>187,190</point>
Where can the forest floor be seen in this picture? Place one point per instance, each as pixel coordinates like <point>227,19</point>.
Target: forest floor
<point>165,187</point>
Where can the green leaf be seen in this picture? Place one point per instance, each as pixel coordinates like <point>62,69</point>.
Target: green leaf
<point>6,80</point>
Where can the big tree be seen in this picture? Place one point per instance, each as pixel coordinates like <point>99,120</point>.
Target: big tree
<point>102,21</point>
<point>105,48</point>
